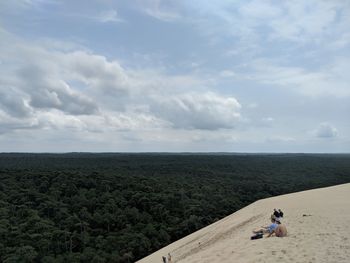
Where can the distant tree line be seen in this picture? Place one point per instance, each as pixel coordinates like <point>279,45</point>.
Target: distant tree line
<point>122,207</point>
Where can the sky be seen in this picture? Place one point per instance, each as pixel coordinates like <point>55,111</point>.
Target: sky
<point>175,76</point>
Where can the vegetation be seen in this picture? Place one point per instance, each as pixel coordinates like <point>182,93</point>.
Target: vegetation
<point>122,207</point>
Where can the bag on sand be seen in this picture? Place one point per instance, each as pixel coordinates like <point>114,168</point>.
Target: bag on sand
<point>257,236</point>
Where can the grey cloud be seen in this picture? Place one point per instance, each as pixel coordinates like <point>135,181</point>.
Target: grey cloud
<point>326,130</point>
<point>10,127</point>
<point>48,91</point>
<point>9,123</point>
<point>62,98</point>
<point>12,102</point>
<point>52,78</point>
<point>208,111</point>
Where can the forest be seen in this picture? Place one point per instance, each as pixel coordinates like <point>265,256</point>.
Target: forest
<point>115,207</point>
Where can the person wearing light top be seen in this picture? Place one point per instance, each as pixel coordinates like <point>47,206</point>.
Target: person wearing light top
<point>279,231</point>
<point>267,229</point>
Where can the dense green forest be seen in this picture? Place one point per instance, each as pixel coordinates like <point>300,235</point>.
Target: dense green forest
<point>121,207</point>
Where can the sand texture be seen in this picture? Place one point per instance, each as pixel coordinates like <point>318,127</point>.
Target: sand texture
<point>318,223</point>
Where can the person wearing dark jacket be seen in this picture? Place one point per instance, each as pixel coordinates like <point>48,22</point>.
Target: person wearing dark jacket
<point>280,212</point>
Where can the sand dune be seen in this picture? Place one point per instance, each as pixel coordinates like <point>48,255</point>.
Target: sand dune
<point>318,224</point>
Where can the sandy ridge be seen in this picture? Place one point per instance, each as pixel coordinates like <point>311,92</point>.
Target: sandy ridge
<point>317,222</point>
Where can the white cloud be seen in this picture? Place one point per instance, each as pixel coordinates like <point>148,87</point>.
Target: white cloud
<point>82,91</point>
<point>280,59</point>
<point>208,111</point>
<point>295,20</point>
<point>326,130</point>
<point>159,9</point>
<point>58,120</point>
<point>109,16</point>
<point>306,21</point>
<point>253,27</point>
<point>260,10</point>
<point>14,5</point>
<point>58,89</point>
<point>96,72</point>
<point>329,80</point>
<point>134,121</point>
<point>157,82</point>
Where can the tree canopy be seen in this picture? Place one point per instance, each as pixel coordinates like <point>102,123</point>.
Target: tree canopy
<point>122,207</point>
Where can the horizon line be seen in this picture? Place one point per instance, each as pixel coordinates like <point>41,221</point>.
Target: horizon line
<point>164,152</point>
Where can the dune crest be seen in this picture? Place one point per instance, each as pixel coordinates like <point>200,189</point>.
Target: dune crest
<point>318,231</point>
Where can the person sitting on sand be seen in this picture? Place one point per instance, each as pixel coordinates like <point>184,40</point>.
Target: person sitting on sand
<point>280,231</point>
<point>267,229</point>
<point>276,213</point>
<point>280,212</point>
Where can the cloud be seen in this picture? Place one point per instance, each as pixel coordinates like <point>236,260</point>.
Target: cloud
<point>10,123</point>
<point>70,81</point>
<point>134,121</point>
<point>303,21</point>
<point>284,60</point>
<point>280,139</point>
<point>12,102</point>
<point>14,5</point>
<point>45,90</point>
<point>207,111</point>
<point>59,120</point>
<point>85,92</point>
<point>96,72</point>
<point>109,16</point>
<point>260,10</point>
<point>295,20</point>
<point>328,80</point>
<point>42,86</point>
<point>246,30</point>
<point>326,130</point>
<point>160,9</point>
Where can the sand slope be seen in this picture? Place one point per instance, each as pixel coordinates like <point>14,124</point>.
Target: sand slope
<point>322,236</point>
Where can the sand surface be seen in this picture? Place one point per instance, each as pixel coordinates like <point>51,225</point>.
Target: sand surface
<point>321,236</point>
